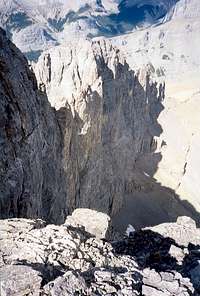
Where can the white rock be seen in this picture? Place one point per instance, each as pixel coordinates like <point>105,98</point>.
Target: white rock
<point>96,223</point>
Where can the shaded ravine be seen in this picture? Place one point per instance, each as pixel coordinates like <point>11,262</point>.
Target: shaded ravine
<point>94,152</point>
<point>148,203</point>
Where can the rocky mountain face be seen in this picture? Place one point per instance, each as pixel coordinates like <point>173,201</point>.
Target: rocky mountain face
<point>171,52</point>
<point>89,133</point>
<point>115,110</point>
<point>96,149</point>
<point>66,260</point>
<point>99,148</point>
<point>31,173</point>
<point>84,153</point>
<point>115,151</point>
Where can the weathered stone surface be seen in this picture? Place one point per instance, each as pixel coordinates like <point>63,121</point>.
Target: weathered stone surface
<point>157,284</point>
<point>83,154</point>
<point>32,178</point>
<point>116,112</point>
<point>183,232</point>
<point>94,222</point>
<point>67,260</point>
<point>19,280</point>
<point>63,285</point>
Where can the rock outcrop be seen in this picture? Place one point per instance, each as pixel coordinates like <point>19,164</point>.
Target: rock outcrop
<point>84,153</point>
<point>67,260</point>
<point>115,110</point>
<point>31,172</point>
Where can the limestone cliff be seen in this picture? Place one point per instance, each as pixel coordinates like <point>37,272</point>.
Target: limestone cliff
<point>95,150</point>
<point>115,112</point>
<point>84,153</point>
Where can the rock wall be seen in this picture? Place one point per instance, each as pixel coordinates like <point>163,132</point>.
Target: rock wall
<point>84,153</point>
<point>115,112</point>
<point>31,173</point>
<point>95,150</point>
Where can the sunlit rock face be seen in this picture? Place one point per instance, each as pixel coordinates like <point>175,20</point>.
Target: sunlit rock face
<point>84,153</point>
<point>115,111</point>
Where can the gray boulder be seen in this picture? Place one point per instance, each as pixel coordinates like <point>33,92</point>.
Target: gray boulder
<point>94,222</point>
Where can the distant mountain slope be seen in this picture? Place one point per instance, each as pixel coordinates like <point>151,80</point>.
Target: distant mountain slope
<point>37,25</point>
<point>188,9</point>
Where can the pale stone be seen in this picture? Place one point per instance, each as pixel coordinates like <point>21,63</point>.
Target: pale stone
<point>94,222</point>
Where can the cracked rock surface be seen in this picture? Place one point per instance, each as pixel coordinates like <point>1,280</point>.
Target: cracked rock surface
<point>84,153</point>
<point>66,260</point>
<point>115,110</point>
<point>31,172</point>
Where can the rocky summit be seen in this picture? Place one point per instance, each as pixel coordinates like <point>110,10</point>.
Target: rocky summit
<point>36,259</point>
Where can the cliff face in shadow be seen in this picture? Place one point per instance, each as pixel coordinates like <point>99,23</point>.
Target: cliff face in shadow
<point>31,173</point>
<point>97,150</point>
<point>147,202</point>
<point>121,127</point>
<point>113,156</point>
<point>115,115</point>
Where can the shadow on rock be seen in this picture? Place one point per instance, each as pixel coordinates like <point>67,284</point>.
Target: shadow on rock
<point>154,252</point>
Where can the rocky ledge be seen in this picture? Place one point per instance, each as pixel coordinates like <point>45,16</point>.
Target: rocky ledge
<point>68,260</point>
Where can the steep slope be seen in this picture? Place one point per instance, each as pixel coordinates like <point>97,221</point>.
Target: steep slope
<point>32,178</point>
<point>171,51</point>
<point>117,113</point>
<point>84,154</point>
<point>95,150</point>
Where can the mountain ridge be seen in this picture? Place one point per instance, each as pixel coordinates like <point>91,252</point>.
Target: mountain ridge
<point>35,26</point>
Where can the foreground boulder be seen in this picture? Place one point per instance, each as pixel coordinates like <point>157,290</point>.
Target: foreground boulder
<point>94,222</point>
<point>67,260</point>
